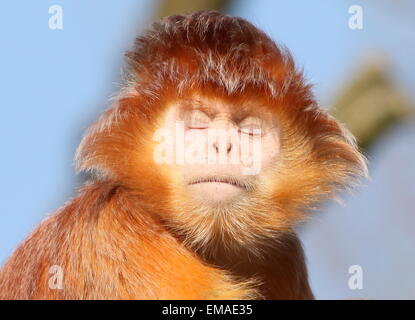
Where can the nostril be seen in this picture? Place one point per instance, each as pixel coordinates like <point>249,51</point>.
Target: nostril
<point>228,147</point>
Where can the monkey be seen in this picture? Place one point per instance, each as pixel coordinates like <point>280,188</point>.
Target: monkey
<point>160,217</point>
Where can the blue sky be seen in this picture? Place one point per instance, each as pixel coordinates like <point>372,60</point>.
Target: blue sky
<point>56,82</point>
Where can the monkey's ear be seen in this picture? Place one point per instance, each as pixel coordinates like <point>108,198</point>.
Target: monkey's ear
<point>338,154</point>
<point>116,146</point>
<point>319,158</point>
<point>92,153</point>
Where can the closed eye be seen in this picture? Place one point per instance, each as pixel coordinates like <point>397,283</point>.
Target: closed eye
<point>251,125</point>
<point>197,119</point>
<point>251,132</point>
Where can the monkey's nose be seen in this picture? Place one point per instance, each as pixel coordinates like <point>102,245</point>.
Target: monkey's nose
<point>217,146</point>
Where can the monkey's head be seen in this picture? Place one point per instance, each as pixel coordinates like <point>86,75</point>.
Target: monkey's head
<point>219,135</point>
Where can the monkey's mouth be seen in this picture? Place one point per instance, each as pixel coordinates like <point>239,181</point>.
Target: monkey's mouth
<point>220,180</point>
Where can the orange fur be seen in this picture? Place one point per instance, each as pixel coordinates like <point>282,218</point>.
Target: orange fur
<point>111,248</point>
<point>132,233</point>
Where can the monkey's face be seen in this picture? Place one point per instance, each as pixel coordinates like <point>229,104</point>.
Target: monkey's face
<point>219,158</point>
<point>217,150</point>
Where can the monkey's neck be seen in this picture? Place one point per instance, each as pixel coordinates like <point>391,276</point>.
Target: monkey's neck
<point>281,270</point>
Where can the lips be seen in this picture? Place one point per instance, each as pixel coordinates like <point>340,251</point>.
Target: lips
<point>228,180</point>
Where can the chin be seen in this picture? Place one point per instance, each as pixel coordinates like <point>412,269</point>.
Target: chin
<point>218,219</point>
<point>216,193</point>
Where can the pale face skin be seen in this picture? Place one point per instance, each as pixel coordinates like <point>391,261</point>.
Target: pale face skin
<point>223,175</point>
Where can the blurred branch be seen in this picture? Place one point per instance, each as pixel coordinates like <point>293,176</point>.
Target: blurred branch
<point>370,104</point>
<point>170,7</point>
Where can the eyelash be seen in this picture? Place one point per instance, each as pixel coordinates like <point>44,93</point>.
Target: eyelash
<point>240,130</point>
<point>250,133</point>
<point>197,127</point>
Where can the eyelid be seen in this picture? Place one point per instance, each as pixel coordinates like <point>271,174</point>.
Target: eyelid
<point>196,118</point>
<point>249,124</point>
<point>251,121</point>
